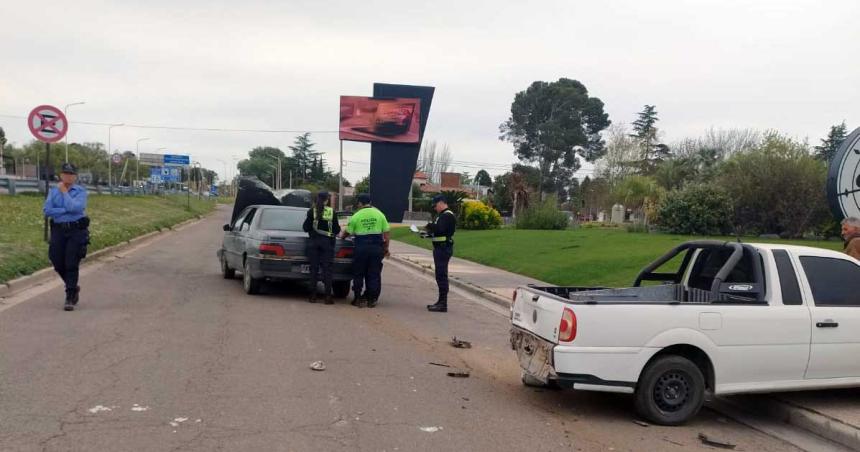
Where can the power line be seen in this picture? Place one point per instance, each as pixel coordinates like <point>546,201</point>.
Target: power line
<point>196,129</point>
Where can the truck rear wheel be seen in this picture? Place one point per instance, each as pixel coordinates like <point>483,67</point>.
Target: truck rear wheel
<point>671,390</point>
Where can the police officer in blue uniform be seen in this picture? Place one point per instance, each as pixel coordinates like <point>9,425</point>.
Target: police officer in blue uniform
<point>322,228</point>
<point>66,208</point>
<point>441,233</point>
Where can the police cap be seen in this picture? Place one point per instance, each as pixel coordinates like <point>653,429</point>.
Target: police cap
<point>323,195</point>
<point>68,168</point>
<point>363,198</point>
<point>437,199</point>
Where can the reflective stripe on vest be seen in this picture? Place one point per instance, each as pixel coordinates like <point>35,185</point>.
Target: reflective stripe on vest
<point>328,215</point>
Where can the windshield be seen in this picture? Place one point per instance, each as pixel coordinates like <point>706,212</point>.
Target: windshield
<point>282,219</point>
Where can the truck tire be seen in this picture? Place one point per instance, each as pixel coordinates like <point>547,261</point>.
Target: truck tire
<point>340,288</point>
<point>671,390</point>
<point>226,271</point>
<point>250,284</point>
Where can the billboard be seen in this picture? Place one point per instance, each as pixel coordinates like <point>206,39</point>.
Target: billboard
<point>394,120</point>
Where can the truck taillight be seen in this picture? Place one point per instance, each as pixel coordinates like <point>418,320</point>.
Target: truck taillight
<point>567,326</point>
<point>271,249</point>
<point>344,253</point>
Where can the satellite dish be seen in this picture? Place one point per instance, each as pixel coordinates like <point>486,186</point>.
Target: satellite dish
<point>843,178</point>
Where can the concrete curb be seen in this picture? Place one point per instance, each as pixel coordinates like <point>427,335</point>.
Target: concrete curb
<point>459,283</point>
<point>40,276</point>
<point>813,422</point>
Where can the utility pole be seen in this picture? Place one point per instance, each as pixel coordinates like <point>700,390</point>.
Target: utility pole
<point>137,170</point>
<point>110,161</point>
<point>340,183</point>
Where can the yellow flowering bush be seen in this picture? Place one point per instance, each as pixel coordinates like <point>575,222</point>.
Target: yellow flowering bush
<point>477,215</point>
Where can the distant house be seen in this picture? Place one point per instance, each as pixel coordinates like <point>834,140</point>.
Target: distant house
<point>449,182</point>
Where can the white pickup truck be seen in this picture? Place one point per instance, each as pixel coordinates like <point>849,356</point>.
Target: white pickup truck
<point>717,317</point>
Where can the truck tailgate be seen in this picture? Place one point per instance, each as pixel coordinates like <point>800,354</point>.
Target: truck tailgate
<point>537,312</point>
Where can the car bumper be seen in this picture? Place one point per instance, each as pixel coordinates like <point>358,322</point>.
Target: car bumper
<point>291,269</point>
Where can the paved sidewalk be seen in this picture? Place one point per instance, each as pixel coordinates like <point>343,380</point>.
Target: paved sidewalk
<point>834,415</point>
<point>481,278</point>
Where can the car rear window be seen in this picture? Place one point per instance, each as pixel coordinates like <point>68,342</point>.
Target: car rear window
<point>282,220</point>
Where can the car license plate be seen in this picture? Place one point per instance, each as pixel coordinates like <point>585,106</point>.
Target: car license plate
<point>534,354</point>
<point>304,268</point>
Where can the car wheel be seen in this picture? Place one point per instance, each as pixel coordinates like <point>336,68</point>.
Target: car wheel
<point>670,391</point>
<point>228,272</point>
<point>340,289</point>
<point>251,285</point>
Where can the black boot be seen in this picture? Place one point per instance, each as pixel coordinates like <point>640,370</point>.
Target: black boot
<point>76,297</point>
<point>440,306</point>
<point>312,298</point>
<point>70,305</point>
<point>372,302</point>
<point>328,299</point>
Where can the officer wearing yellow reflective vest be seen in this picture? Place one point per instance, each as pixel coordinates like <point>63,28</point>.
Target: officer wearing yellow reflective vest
<point>322,228</point>
<point>371,231</point>
<point>441,233</point>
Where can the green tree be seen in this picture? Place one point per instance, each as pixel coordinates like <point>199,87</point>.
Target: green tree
<point>550,122</point>
<point>363,186</point>
<point>696,209</point>
<point>646,133</point>
<point>638,193</point>
<point>305,157</point>
<point>776,188</point>
<point>831,144</point>
<point>483,179</point>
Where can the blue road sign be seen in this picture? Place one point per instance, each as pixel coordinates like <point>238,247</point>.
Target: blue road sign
<point>181,160</point>
<point>162,175</point>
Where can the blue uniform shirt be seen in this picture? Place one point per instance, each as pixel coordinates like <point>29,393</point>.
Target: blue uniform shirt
<point>66,207</point>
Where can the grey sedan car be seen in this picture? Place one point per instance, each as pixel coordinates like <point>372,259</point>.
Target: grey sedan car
<point>268,243</point>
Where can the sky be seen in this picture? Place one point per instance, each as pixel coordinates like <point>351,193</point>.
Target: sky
<point>790,65</point>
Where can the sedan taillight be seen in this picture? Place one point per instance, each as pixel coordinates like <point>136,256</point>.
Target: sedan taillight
<point>344,253</point>
<point>271,249</point>
<point>567,326</point>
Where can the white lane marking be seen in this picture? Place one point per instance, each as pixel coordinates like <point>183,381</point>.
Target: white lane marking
<point>98,409</point>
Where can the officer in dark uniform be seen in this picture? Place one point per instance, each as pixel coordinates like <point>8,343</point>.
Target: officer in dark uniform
<point>66,207</point>
<point>441,233</point>
<point>322,228</point>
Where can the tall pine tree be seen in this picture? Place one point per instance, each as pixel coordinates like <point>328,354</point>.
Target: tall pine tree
<point>645,127</point>
<point>831,144</point>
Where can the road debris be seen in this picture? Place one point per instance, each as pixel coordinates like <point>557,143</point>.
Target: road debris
<point>459,374</point>
<point>713,443</point>
<point>439,364</point>
<point>641,423</point>
<point>457,343</point>
<point>318,366</point>
<point>139,408</point>
<point>430,429</point>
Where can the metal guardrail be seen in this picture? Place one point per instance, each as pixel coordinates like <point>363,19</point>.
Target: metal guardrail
<point>13,186</point>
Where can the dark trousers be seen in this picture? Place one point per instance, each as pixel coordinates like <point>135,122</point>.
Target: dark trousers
<point>441,256</point>
<point>67,248</point>
<point>321,254</point>
<point>367,270</point>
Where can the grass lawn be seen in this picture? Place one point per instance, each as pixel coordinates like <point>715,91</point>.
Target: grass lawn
<point>576,257</point>
<point>115,219</point>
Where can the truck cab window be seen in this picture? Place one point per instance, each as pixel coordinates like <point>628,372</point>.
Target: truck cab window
<point>834,282</point>
<point>709,263</point>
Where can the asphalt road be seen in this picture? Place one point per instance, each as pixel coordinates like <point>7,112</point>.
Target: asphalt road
<point>164,354</point>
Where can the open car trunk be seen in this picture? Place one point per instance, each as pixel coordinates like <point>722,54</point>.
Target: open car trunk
<point>253,191</point>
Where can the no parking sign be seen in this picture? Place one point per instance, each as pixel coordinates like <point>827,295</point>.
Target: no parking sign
<point>47,123</point>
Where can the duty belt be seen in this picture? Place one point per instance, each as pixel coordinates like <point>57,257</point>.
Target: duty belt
<point>83,223</point>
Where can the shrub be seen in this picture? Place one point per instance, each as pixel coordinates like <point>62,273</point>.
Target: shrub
<point>477,215</point>
<point>542,216</point>
<point>637,226</point>
<point>696,209</point>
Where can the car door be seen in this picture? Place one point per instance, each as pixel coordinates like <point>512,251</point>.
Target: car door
<point>832,283</point>
<point>231,242</point>
<point>244,236</point>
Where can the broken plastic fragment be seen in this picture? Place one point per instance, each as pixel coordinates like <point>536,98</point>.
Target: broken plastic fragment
<point>430,429</point>
<point>318,366</point>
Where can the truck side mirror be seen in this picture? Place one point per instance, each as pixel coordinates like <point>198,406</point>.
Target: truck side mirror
<point>227,228</point>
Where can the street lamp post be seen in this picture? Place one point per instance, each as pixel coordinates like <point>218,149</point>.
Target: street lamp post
<point>67,126</point>
<point>110,160</point>
<point>137,170</point>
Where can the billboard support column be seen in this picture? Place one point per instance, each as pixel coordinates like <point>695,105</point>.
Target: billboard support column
<point>340,181</point>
